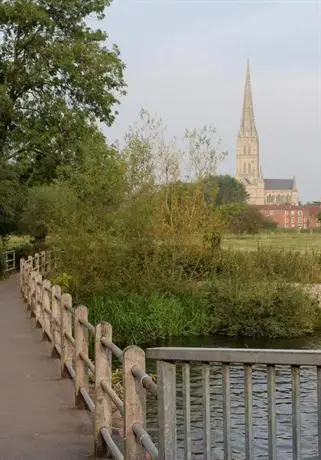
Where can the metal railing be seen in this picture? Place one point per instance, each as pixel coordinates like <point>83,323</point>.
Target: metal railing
<point>169,358</point>
<point>9,261</point>
<point>69,331</point>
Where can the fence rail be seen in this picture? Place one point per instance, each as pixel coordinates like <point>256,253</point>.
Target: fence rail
<point>167,361</point>
<point>70,332</point>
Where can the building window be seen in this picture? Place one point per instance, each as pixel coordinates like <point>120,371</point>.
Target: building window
<point>300,213</point>
<point>292,213</point>
<point>300,220</point>
<point>292,219</point>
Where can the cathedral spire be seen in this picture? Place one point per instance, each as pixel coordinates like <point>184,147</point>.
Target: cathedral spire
<point>248,128</point>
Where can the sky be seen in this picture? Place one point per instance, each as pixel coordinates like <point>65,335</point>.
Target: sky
<point>186,62</point>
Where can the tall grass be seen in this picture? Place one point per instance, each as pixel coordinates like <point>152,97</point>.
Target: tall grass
<point>218,306</point>
<point>140,318</point>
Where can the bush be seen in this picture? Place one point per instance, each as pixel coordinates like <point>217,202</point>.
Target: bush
<point>261,309</point>
<point>245,219</point>
<point>220,306</point>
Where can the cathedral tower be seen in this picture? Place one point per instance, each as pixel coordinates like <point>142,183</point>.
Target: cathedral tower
<point>260,191</point>
<point>247,150</point>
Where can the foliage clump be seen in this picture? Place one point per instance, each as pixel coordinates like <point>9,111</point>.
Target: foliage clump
<point>260,309</point>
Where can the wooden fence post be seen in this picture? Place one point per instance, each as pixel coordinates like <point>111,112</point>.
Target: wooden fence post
<point>43,262</point>
<point>103,371</point>
<point>38,299</point>
<point>25,282</point>
<point>134,402</point>
<point>55,319</point>
<point>46,306</point>
<point>24,278</point>
<point>166,395</point>
<point>81,347</point>
<point>28,283</point>
<point>65,326</point>
<point>48,261</point>
<point>32,292</point>
<point>22,275</point>
<point>36,261</point>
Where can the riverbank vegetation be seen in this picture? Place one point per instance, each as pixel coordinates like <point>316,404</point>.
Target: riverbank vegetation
<point>143,248</point>
<point>142,226</point>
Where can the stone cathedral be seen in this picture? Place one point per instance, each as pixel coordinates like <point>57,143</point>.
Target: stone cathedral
<point>248,169</point>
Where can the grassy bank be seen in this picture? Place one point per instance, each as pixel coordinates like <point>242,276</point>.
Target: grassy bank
<point>215,307</point>
<point>149,294</point>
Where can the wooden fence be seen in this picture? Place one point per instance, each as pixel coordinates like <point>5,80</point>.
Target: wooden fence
<point>68,330</point>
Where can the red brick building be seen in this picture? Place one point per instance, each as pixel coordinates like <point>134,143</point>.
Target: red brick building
<point>290,216</point>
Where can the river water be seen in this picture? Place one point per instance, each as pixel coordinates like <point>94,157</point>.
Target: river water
<point>309,440</point>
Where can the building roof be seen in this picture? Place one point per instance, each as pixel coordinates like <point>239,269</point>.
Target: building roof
<point>279,184</point>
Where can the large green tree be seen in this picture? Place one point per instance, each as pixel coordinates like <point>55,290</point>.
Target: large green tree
<point>11,200</point>
<point>228,189</point>
<point>57,79</point>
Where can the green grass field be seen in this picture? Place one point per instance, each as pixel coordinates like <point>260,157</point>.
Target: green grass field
<point>15,241</point>
<point>304,242</point>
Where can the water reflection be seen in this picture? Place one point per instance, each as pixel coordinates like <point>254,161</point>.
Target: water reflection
<point>309,440</point>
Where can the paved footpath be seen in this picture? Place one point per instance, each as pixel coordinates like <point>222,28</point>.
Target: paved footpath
<point>37,417</point>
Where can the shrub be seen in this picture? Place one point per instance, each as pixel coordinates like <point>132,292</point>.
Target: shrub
<point>63,280</point>
<point>261,309</point>
<point>23,252</point>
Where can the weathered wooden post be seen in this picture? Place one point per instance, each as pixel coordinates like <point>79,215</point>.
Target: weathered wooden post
<point>36,262</point>
<point>81,348</point>
<point>55,319</point>
<point>103,372</point>
<point>32,292</point>
<point>38,299</point>
<point>43,262</point>
<point>46,307</point>
<point>166,395</point>
<point>28,283</point>
<point>134,402</point>
<point>65,328</point>
<point>26,274</point>
<point>48,261</point>
<point>22,275</point>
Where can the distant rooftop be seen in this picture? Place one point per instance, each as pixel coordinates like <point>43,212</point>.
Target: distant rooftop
<point>279,184</point>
